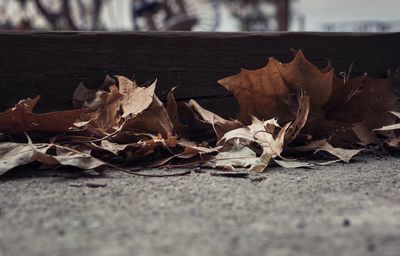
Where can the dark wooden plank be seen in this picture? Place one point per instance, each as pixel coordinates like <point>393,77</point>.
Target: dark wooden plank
<point>52,64</point>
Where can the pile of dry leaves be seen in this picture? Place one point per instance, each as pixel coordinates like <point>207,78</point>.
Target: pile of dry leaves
<point>285,109</point>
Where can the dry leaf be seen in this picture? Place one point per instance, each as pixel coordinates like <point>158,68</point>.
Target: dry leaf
<point>301,117</point>
<point>302,74</point>
<point>152,120</point>
<point>18,154</point>
<point>107,117</point>
<point>322,145</point>
<point>293,164</point>
<point>134,99</point>
<point>365,101</point>
<point>21,119</point>
<point>240,156</point>
<point>261,93</point>
<point>15,154</point>
<point>82,96</point>
<point>344,110</point>
<point>173,113</point>
<point>65,156</point>
<point>219,124</point>
<point>262,133</point>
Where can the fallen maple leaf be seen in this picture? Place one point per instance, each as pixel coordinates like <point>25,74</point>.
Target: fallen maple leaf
<point>261,93</point>
<point>344,110</point>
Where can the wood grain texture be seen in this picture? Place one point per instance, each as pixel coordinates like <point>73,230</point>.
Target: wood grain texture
<point>52,64</point>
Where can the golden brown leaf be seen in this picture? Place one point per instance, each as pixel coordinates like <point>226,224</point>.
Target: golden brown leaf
<point>107,116</point>
<point>344,110</point>
<point>152,120</point>
<point>301,117</point>
<point>21,119</point>
<point>173,113</point>
<point>260,92</point>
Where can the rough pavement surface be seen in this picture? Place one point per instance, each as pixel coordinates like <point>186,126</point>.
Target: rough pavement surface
<point>337,210</point>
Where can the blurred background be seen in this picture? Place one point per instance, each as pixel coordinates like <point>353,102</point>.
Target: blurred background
<point>201,15</point>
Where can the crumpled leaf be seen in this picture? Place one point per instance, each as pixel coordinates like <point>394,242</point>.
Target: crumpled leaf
<point>323,145</point>
<point>153,120</point>
<point>107,117</point>
<point>130,108</point>
<point>21,119</point>
<point>262,133</point>
<point>240,156</point>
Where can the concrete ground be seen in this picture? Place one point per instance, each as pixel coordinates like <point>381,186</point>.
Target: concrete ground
<point>336,210</point>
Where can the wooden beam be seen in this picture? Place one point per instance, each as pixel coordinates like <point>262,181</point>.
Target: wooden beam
<point>52,64</point>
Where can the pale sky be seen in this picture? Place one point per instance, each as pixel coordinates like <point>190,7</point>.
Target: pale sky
<point>319,11</point>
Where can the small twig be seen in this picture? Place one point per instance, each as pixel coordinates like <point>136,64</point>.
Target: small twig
<point>346,76</point>
<point>149,175</point>
<point>258,179</point>
<point>95,185</point>
<point>230,174</point>
<point>349,71</point>
<point>105,137</point>
<point>157,175</point>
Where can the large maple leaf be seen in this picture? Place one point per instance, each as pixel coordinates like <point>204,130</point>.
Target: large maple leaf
<point>346,110</point>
